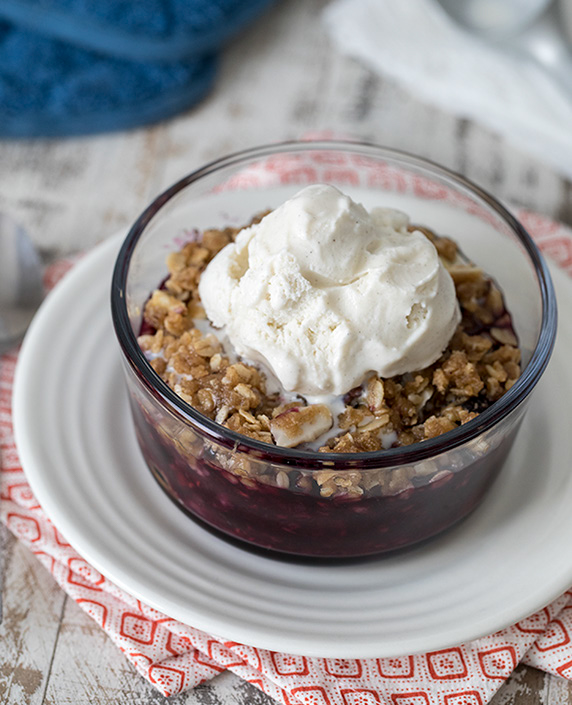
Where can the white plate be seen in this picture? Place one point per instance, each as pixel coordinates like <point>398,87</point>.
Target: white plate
<point>75,438</point>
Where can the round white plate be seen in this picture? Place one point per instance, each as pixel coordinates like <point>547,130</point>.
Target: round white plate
<point>77,445</point>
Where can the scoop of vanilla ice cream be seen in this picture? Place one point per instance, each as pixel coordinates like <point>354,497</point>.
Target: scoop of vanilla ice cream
<point>323,293</point>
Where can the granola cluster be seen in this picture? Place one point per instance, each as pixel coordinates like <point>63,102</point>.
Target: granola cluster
<point>481,362</point>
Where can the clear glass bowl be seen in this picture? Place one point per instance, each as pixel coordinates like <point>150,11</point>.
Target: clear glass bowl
<point>269,497</point>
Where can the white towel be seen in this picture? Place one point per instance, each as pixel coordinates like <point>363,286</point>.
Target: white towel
<point>416,43</point>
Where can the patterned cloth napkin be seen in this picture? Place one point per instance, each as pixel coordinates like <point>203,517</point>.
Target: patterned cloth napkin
<point>175,657</point>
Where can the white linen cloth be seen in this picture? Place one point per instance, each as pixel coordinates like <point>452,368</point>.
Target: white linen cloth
<point>416,43</point>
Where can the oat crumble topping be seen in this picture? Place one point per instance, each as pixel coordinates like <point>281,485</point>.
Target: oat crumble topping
<point>481,362</point>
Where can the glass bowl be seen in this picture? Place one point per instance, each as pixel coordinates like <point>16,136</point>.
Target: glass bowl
<point>269,497</point>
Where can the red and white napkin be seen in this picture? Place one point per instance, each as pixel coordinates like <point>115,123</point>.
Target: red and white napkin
<point>175,657</point>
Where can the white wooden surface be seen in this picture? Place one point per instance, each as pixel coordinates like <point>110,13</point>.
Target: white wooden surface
<point>279,80</point>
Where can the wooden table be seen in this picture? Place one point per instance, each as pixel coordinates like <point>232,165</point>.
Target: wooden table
<point>280,80</point>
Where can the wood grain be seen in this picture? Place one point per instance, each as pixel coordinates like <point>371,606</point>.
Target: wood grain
<point>33,606</point>
<point>280,80</point>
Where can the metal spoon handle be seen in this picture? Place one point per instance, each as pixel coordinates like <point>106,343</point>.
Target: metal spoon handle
<point>21,286</point>
<point>544,43</point>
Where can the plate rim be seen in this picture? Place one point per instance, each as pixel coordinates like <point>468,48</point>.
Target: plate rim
<point>255,636</point>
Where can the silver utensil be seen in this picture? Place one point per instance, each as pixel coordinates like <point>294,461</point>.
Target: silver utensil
<point>534,30</point>
<point>21,285</point>
<point>21,292</point>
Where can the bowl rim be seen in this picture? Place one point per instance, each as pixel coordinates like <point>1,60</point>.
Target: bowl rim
<point>391,457</point>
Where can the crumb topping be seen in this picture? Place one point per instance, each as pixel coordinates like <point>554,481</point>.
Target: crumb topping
<point>481,363</point>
